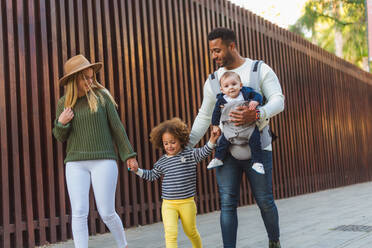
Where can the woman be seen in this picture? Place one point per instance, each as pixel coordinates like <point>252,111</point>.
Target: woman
<point>87,119</point>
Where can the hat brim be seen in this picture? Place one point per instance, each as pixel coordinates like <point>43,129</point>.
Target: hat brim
<point>96,67</point>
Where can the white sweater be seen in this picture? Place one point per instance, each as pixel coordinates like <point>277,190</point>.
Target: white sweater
<point>269,87</point>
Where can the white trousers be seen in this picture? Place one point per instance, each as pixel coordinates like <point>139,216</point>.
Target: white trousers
<point>102,174</point>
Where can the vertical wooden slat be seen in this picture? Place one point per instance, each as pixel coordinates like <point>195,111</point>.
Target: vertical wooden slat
<point>295,164</point>
<point>37,131</point>
<point>147,86</point>
<point>185,62</point>
<point>80,27</point>
<point>178,58</point>
<point>194,89</point>
<point>277,163</point>
<point>126,106</point>
<point>212,15</point>
<point>135,103</point>
<point>160,60</point>
<point>143,155</point>
<point>13,87</point>
<point>25,122</point>
<point>199,88</point>
<point>168,72</point>
<point>208,181</point>
<point>71,30</point>
<point>289,123</point>
<point>5,140</point>
<point>51,208</point>
<point>157,115</point>
<point>122,169</point>
<point>61,52</point>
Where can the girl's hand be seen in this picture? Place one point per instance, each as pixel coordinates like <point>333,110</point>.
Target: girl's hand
<point>132,164</point>
<point>215,129</point>
<point>252,105</point>
<point>66,116</point>
<point>215,133</point>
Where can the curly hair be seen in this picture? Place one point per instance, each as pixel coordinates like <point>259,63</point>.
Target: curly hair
<point>174,126</point>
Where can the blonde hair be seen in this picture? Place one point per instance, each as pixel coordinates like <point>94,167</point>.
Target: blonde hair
<point>71,92</point>
<point>230,74</point>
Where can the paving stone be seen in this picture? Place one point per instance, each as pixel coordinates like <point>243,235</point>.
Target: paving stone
<point>306,221</point>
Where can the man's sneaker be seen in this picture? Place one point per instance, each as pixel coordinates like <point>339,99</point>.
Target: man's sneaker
<point>274,244</point>
<point>214,163</point>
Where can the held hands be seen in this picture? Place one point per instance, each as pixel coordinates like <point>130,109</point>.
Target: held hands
<point>242,115</point>
<point>66,116</point>
<point>132,164</point>
<point>215,133</point>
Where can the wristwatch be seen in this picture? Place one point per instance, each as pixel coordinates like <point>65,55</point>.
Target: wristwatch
<point>257,114</point>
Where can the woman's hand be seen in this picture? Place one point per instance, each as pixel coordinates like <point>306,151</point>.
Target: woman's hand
<point>215,133</point>
<point>132,164</point>
<point>66,116</point>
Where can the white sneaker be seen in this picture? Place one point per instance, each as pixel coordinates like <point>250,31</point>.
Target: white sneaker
<point>259,168</point>
<point>214,163</point>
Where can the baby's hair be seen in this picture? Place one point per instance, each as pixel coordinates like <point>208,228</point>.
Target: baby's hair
<point>174,126</point>
<point>230,74</point>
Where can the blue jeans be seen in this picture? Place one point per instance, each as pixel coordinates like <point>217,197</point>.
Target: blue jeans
<point>229,177</point>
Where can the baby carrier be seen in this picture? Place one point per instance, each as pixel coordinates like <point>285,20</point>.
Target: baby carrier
<point>239,147</point>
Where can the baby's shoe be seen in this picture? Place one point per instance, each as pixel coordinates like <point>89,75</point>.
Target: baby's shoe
<point>259,168</point>
<point>214,163</point>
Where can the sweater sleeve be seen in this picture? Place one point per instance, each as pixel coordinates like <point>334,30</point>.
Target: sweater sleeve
<point>272,90</point>
<point>118,132</point>
<point>203,152</point>
<point>60,131</point>
<point>203,119</point>
<point>151,175</point>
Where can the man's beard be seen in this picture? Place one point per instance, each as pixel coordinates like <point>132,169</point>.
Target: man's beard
<point>227,60</point>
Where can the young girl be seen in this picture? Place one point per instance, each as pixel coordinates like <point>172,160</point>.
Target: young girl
<point>87,119</point>
<point>178,168</point>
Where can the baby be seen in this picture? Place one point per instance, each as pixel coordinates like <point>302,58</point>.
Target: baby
<point>235,94</point>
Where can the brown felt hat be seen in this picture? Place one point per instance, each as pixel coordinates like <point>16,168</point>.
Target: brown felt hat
<point>76,64</point>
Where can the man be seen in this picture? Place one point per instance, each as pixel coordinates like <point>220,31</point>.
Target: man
<point>222,45</point>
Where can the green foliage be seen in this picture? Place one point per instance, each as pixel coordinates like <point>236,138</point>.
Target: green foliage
<point>323,18</point>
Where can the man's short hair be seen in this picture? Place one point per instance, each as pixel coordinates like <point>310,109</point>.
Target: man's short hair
<point>226,35</point>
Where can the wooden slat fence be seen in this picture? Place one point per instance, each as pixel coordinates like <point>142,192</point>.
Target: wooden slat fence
<point>156,59</point>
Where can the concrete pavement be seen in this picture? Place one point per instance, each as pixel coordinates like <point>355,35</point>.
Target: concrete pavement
<point>337,218</point>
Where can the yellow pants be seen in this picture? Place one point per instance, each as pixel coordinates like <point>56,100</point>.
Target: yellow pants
<point>185,209</point>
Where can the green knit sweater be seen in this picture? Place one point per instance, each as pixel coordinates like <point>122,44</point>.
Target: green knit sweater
<point>91,136</point>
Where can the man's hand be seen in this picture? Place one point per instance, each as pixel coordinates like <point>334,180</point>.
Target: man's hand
<point>242,115</point>
<point>132,164</point>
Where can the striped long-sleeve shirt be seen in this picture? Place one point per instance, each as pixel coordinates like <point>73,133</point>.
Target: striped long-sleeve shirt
<point>179,171</point>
